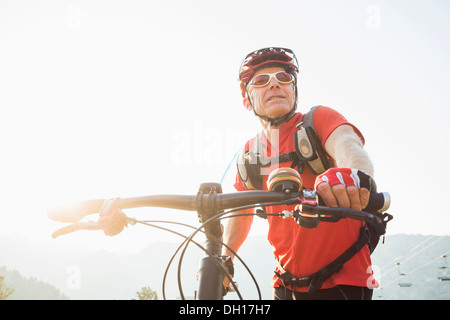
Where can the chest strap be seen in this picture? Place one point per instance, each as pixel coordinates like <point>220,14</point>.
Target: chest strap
<point>314,282</point>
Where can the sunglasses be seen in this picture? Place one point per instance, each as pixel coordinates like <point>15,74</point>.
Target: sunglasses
<point>263,79</point>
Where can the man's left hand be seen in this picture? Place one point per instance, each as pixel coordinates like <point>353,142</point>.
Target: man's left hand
<point>344,188</point>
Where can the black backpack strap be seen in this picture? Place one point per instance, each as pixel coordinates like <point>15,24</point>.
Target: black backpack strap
<point>308,151</point>
<point>273,160</point>
<point>318,278</point>
<point>308,146</point>
<point>308,118</point>
<point>378,228</point>
<point>250,162</point>
<point>315,281</point>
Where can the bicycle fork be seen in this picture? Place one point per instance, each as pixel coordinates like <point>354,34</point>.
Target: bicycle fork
<point>210,285</point>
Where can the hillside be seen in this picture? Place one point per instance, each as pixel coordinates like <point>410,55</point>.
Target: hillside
<point>29,288</point>
<point>106,275</point>
<point>419,258</point>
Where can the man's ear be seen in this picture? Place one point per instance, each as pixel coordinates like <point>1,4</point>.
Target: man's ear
<point>247,104</point>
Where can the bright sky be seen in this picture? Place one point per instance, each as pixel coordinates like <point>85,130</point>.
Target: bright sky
<point>128,98</point>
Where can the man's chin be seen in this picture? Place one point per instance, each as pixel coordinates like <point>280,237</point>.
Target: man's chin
<point>278,111</point>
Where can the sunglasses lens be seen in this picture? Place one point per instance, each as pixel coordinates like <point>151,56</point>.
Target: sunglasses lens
<point>283,77</point>
<point>261,80</point>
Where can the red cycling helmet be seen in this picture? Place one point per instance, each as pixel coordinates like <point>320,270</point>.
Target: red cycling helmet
<point>266,57</point>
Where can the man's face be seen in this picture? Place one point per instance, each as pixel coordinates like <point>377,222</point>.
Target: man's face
<point>273,100</point>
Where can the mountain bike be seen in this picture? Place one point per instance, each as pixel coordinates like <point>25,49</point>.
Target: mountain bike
<point>212,206</point>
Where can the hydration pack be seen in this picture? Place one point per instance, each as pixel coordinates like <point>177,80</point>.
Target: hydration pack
<point>308,152</point>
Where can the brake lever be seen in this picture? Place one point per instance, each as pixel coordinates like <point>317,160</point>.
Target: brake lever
<point>321,212</point>
<point>92,225</point>
<point>309,212</point>
<point>86,225</point>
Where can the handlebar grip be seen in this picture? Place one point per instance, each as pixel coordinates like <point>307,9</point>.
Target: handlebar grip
<point>378,202</point>
<point>75,212</point>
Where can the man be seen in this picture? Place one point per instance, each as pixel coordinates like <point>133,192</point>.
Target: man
<point>268,81</point>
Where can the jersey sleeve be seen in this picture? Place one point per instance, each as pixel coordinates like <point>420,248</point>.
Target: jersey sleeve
<point>326,120</point>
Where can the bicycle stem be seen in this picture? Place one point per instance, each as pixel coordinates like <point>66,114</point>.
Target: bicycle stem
<point>210,285</point>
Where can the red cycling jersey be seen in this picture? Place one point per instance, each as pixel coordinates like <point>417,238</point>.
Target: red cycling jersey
<point>302,251</point>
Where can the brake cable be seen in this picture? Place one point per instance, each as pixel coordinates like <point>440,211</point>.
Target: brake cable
<point>218,217</point>
<point>173,256</point>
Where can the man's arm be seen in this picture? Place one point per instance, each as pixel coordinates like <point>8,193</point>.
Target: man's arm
<point>346,148</point>
<point>236,231</point>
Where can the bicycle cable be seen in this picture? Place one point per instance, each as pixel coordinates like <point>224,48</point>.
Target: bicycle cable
<point>206,233</point>
<point>216,217</point>
<point>149,224</point>
<point>173,256</point>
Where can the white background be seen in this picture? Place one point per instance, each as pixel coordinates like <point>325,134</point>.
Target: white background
<point>128,98</point>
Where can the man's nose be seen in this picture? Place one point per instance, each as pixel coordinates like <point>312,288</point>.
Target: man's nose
<point>273,83</point>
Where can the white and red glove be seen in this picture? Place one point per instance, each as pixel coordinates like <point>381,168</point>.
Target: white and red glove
<point>345,176</point>
<point>333,187</point>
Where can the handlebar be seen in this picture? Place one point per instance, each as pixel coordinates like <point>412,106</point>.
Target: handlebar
<point>209,203</point>
<point>77,211</point>
<point>378,202</point>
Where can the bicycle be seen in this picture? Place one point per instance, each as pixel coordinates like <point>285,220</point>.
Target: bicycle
<point>212,206</point>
